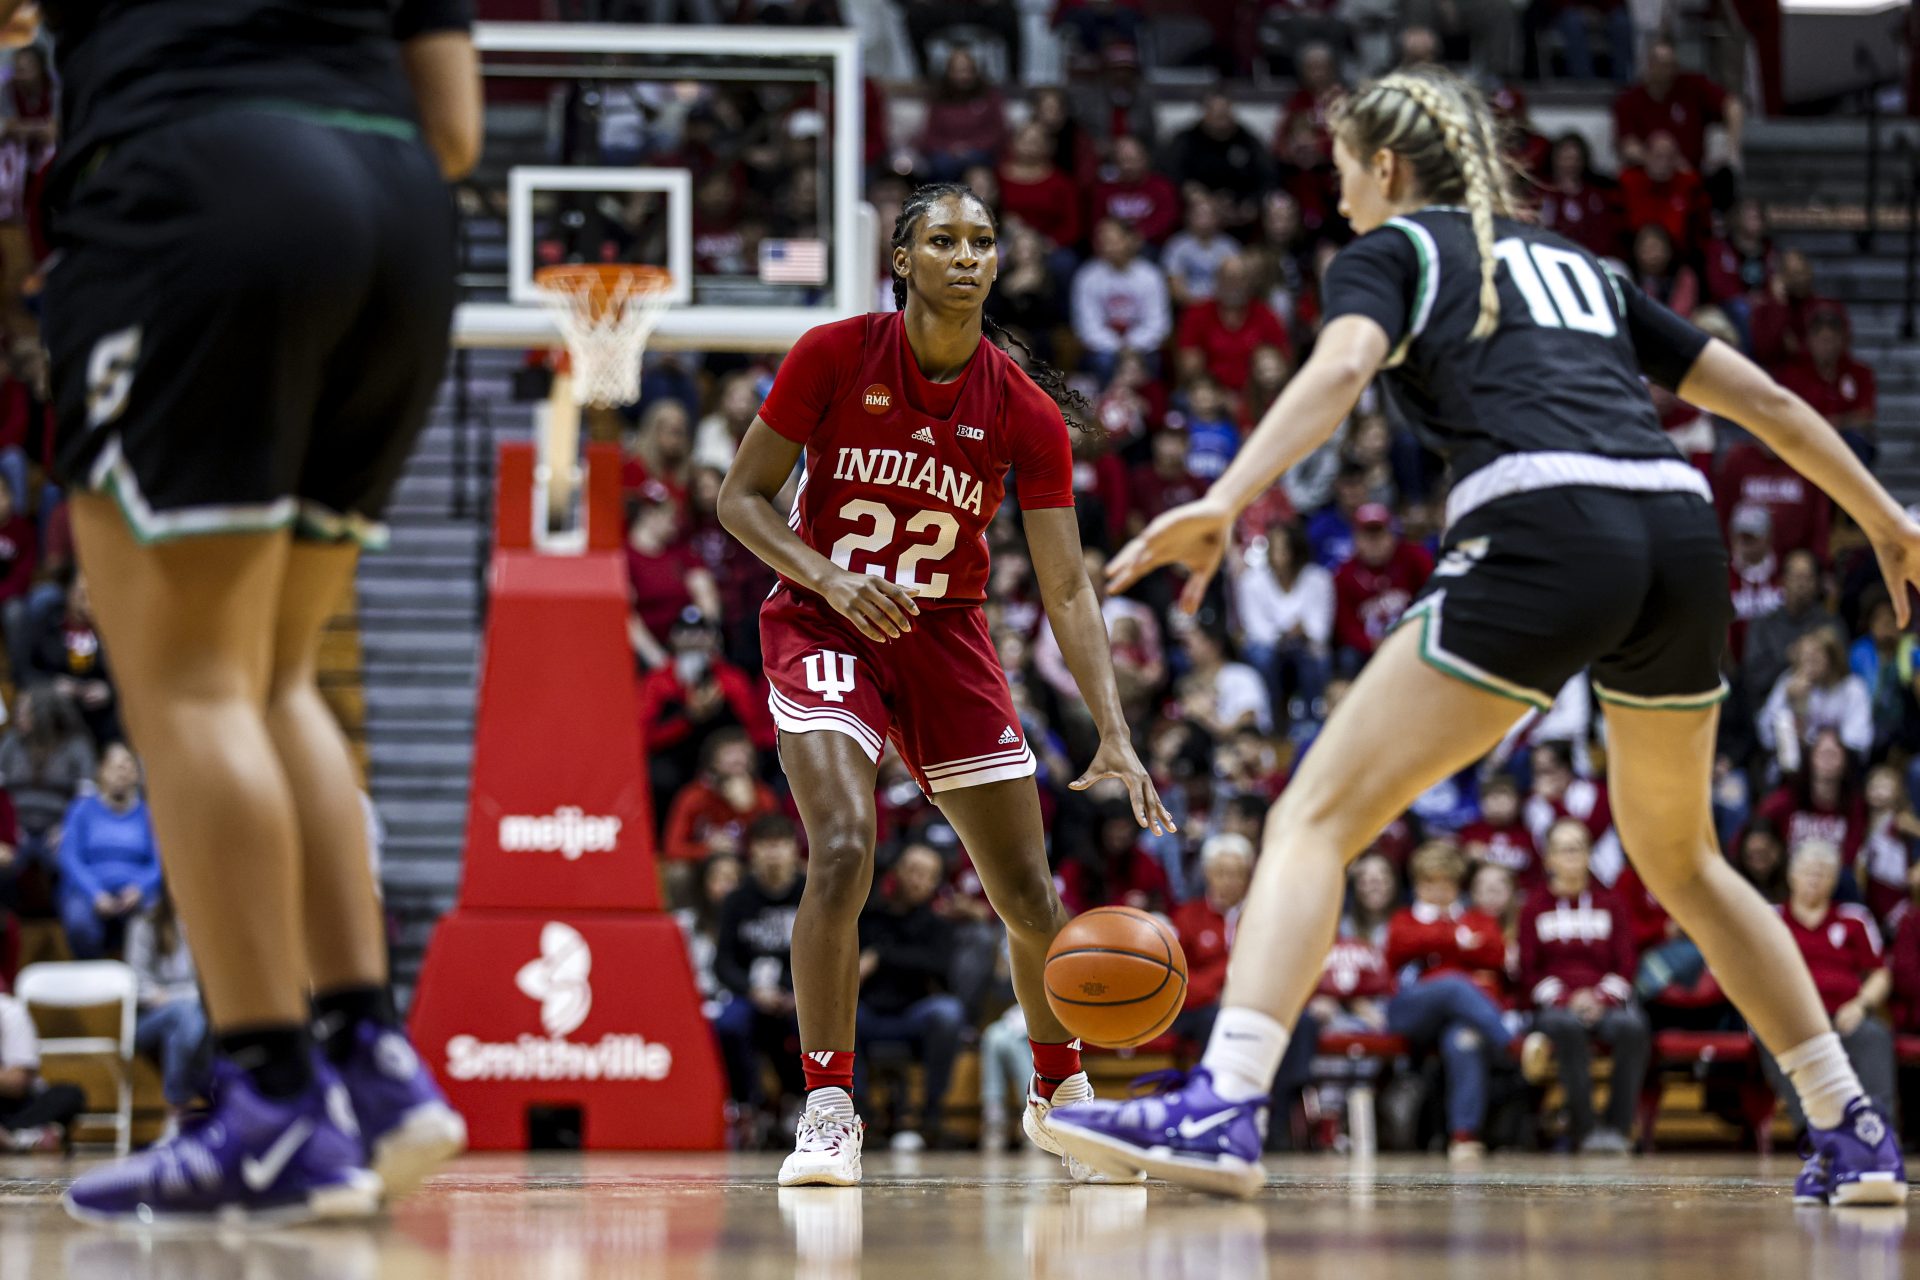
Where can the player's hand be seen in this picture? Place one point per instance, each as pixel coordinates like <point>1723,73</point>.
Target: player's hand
<point>1848,1017</point>
<point>1116,759</point>
<point>1898,551</point>
<point>880,609</point>
<point>1193,535</point>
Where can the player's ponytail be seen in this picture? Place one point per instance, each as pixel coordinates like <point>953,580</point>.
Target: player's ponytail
<point>1443,128</point>
<point>1073,405</point>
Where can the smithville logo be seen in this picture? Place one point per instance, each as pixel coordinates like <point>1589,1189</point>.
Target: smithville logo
<point>877,399</point>
<point>557,978</point>
<point>567,831</point>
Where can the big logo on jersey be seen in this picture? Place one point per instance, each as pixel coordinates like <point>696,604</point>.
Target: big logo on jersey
<point>910,471</point>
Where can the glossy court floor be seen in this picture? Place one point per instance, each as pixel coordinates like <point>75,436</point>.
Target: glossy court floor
<point>962,1217</point>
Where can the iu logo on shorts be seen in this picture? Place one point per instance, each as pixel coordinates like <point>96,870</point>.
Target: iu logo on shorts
<point>829,674</point>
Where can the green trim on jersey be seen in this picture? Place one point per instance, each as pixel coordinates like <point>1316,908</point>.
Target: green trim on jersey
<point>1427,613</point>
<point>1670,702</point>
<point>1425,291</point>
<point>338,118</point>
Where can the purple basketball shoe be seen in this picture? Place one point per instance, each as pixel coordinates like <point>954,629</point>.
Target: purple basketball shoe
<point>246,1161</point>
<point>1857,1162</point>
<point>409,1129</point>
<point>1188,1135</point>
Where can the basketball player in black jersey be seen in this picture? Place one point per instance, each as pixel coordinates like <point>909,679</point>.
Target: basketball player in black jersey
<point>248,316</point>
<point>1577,538</point>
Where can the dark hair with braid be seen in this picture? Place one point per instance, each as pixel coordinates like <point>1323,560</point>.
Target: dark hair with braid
<point>1073,405</point>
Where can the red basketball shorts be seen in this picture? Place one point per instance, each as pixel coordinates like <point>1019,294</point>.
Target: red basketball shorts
<point>938,691</point>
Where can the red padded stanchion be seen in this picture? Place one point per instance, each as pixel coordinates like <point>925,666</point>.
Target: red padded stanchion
<point>556,981</point>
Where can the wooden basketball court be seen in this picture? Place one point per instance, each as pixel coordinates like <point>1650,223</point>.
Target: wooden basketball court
<point>966,1217</point>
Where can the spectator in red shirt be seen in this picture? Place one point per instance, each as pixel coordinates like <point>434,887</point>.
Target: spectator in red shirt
<point>1164,482</point>
<point>1374,588</point>
<point>711,814</point>
<point>1778,317</point>
<point>1205,929</point>
<point>1453,1002</point>
<point>665,575</point>
<point>1662,192</point>
<point>1033,189</point>
<point>966,120</point>
<point>1841,946</point>
<point>1839,388</point>
<point>1577,963</point>
<point>1498,837</point>
<point>1136,195</point>
<point>1751,473</point>
<point>1903,965</point>
<point>1659,273</point>
<point>1111,869</point>
<point>660,453</point>
<point>695,695</point>
<point>1575,203</point>
<point>1753,573</point>
<point>1822,802</point>
<point>1680,103</point>
<point>1740,264</point>
<point>1220,336</point>
<point>1318,72</point>
<point>1886,858</point>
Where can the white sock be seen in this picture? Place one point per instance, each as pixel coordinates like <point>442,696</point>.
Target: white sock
<point>1823,1078</point>
<point>833,1100</point>
<point>1244,1053</point>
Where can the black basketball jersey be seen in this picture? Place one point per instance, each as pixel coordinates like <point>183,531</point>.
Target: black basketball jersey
<point>1561,373</point>
<point>127,65</point>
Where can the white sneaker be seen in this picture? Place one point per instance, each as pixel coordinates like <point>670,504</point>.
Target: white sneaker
<point>1075,1088</point>
<point>826,1151</point>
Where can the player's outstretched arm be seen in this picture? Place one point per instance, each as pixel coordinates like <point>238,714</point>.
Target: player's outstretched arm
<point>1320,396</point>
<point>881,610</point>
<point>1073,610</point>
<point>1724,382</point>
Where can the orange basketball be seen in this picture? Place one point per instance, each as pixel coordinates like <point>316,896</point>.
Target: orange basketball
<point>1116,977</point>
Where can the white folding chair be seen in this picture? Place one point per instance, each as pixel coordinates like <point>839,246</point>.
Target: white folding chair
<point>85,984</point>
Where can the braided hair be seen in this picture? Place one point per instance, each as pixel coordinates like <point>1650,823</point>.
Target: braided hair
<point>1442,127</point>
<point>1073,405</point>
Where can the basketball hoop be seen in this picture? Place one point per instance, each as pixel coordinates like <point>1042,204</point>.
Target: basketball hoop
<point>606,312</point>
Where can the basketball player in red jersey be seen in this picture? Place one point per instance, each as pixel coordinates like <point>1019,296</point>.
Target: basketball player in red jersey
<point>909,422</point>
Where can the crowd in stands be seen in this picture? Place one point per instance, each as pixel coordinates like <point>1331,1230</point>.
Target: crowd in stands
<point>1498,926</point>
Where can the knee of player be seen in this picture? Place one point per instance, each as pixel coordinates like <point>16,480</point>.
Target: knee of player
<point>1033,909</point>
<point>840,863</point>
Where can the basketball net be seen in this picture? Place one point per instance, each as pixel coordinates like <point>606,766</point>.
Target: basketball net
<point>606,313</point>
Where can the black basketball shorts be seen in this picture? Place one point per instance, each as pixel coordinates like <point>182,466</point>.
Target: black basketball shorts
<point>1533,588</point>
<point>248,319</point>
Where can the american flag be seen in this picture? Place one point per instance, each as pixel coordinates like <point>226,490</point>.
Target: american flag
<point>793,261</point>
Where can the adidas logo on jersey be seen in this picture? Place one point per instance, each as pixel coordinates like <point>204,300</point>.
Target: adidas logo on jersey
<point>1009,737</point>
<point>924,435</point>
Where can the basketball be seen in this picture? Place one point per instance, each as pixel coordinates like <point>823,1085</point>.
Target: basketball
<point>1116,977</point>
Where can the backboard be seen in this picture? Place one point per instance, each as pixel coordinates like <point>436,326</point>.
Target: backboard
<point>730,156</point>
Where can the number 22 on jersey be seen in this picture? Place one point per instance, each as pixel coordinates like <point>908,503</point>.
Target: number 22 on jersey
<point>1561,287</point>
<point>945,530</point>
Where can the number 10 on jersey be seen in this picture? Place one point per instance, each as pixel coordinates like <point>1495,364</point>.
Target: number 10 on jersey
<point>945,530</point>
<point>1561,287</point>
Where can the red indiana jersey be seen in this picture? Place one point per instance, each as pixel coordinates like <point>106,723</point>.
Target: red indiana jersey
<point>1510,846</point>
<point>1368,601</point>
<point>1355,970</point>
<point>1576,944</point>
<point>1458,940</point>
<point>1841,950</point>
<point>903,475</point>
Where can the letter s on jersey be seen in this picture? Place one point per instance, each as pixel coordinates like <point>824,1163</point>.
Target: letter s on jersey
<point>110,369</point>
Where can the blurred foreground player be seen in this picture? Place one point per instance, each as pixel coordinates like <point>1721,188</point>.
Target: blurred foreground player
<point>247,317</point>
<point>909,421</point>
<point>1577,538</point>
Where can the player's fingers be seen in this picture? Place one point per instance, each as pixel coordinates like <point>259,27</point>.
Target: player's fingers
<point>866,628</point>
<point>1136,794</point>
<point>1195,591</point>
<point>894,591</point>
<point>877,616</point>
<point>1159,806</point>
<point>889,614</point>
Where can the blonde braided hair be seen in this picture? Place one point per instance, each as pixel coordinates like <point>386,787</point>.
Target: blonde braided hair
<point>1442,128</point>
